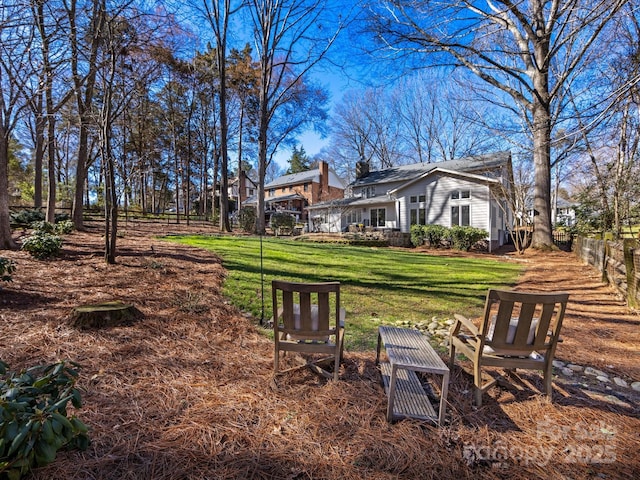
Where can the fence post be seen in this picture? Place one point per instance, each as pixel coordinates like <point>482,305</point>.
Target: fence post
<point>632,279</point>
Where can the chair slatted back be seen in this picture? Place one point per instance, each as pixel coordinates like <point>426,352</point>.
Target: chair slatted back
<point>305,309</point>
<point>519,323</point>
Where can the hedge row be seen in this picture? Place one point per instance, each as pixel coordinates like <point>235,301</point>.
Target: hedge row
<point>437,236</point>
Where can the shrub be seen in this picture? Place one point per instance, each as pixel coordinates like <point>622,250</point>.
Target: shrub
<point>43,227</point>
<point>247,219</point>
<point>417,235</point>
<point>64,227</point>
<point>282,221</point>
<point>463,238</point>
<point>7,267</point>
<point>435,234</point>
<point>34,423</point>
<point>42,245</point>
<point>24,218</point>
<point>61,217</point>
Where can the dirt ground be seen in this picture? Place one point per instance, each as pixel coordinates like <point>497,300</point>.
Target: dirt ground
<point>187,392</point>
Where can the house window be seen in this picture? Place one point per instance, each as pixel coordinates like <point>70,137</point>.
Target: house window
<point>368,192</point>
<point>272,192</point>
<point>460,215</point>
<point>251,192</point>
<point>353,216</point>
<point>413,199</point>
<point>418,216</point>
<point>378,217</point>
<point>306,187</point>
<point>458,194</point>
<point>422,198</point>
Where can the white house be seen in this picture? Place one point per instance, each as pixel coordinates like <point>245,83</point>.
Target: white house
<point>467,191</point>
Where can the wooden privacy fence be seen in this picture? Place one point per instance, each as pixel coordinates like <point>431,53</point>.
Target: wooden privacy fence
<point>619,263</point>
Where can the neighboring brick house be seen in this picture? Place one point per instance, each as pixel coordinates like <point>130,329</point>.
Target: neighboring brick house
<point>293,193</point>
<point>241,188</point>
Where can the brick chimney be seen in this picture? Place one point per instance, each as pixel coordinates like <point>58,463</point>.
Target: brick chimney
<point>362,169</point>
<point>324,178</point>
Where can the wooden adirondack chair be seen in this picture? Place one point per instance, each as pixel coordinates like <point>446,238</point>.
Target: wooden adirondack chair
<point>308,319</point>
<point>518,330</point>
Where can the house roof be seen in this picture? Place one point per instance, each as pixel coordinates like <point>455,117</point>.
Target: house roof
<point>405,173</point>
<point>284,198</point>
<point>352,202</point>
<point>253,199</point>
<point>295,179</point>
<point>470,176</point>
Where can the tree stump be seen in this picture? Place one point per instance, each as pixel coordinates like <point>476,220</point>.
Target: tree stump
<point>102,315</point>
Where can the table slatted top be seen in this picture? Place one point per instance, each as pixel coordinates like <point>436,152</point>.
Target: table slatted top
<point>408,348</point>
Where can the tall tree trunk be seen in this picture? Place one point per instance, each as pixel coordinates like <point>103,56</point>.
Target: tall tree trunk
<point>6,241</point>
<point>77,208</point>
<point>51,163</point>
<point>541,106</point>
<point>542,233</point>
<point>38,150</point>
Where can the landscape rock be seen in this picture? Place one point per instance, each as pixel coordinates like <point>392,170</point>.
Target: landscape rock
<point>620,382</point>
<point>594,372</point>
<point>636,386</point>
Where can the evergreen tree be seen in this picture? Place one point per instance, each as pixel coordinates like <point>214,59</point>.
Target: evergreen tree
<point>299,162</point>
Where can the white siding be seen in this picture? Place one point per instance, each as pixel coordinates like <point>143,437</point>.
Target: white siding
<point>438,189</point>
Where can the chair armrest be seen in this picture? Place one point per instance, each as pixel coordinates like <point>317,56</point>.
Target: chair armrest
<point>462,321</point>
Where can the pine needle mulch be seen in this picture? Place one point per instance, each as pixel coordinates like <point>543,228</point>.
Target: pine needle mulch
<point>187,392</point>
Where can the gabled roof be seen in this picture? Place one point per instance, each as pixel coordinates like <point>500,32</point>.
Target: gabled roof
<point>470,176</point>
<point>405,173</point>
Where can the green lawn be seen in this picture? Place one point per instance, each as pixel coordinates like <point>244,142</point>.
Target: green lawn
<point>379,285</point>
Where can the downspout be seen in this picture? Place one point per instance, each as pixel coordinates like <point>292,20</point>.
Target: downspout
<point>490,224</point>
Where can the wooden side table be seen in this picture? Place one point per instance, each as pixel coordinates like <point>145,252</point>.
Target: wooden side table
<point>409,352</point>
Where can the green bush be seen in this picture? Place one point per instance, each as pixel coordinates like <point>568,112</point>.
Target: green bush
<point>25,218</point>
<point>247,219</point>
<point>64,227</point>
<point>417,235</point>
<point>34,423</point>
<point>7,267</point>
<point>61,217</point>
<point>42,245</point>
<point>435,234</point>
<point>43,227</point>
<point>282,221</point>
<point>463,238</point>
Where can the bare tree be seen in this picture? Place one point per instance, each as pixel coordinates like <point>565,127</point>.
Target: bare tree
<point>84,41</point>
<point>16,37</point>
<point>530,50</point>
<point>218,14</point>
<point>291,37</point>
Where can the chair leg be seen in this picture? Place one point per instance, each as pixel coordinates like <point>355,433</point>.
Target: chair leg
<point>548,372</point>
<point>452,354</point>
<point>276,360</point>
<point>477,381</point>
